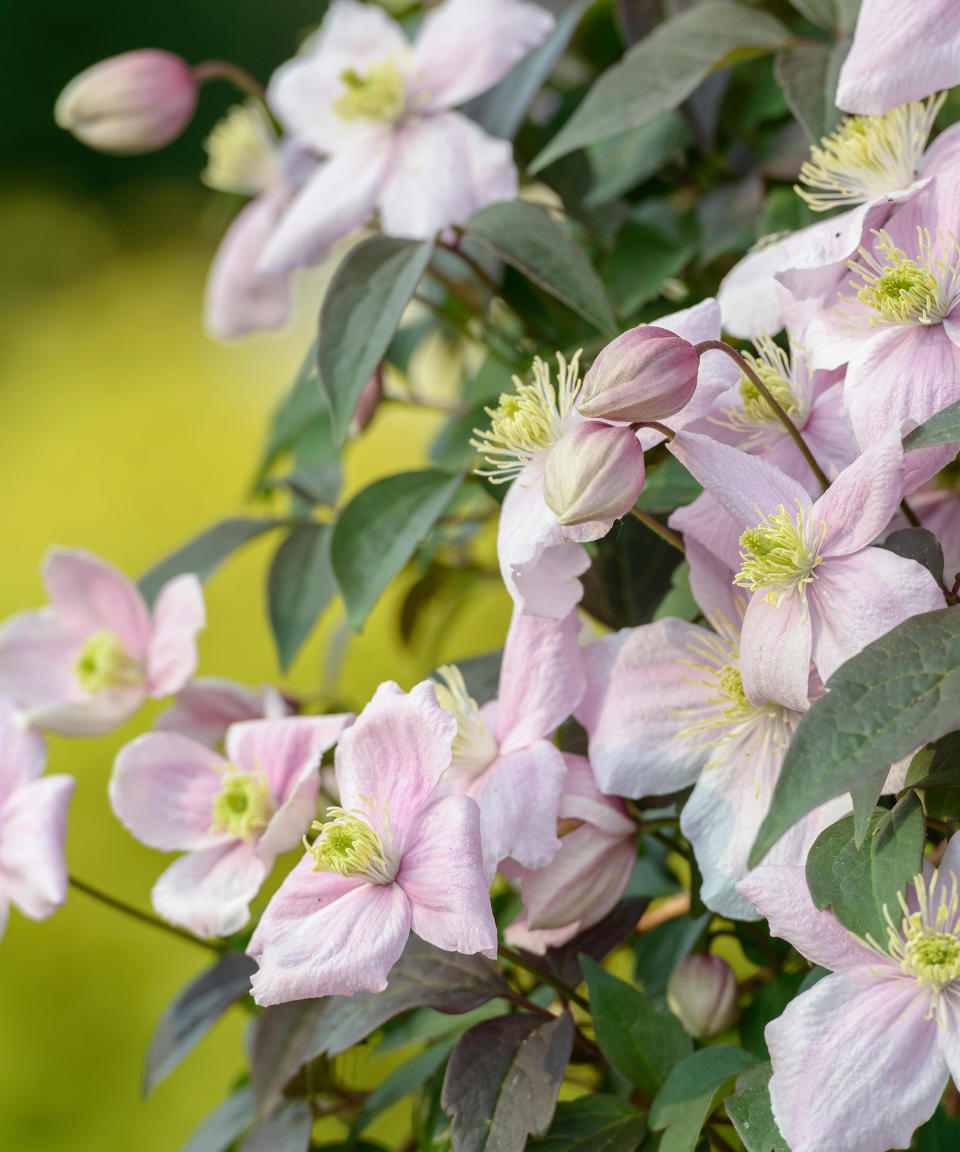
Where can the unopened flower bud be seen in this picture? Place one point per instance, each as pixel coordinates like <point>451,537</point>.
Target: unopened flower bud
<point>593,472</point>
<point>136,102</point>
<point>646,374</point>
<point>702,994</point>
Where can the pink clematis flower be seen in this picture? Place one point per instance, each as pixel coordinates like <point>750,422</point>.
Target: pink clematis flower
<point>807,563</point>
<point>889,1007</point>
<point>379,110</point>
<point>586,878</point>
<point>900,52</point>
<point>207,706</point>
<point>232,817</point>
<point>503,755</point>
<point>85,664</point>
<point>396,856</point>
<point>33,820</point>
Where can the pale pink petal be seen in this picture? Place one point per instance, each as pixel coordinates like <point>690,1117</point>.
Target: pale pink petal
<point>845,621</point>
<point>943,154</point>
<point>38,652</point>
<point>856,1067</point>
<point>538,940</point>
<point>541,680</point>
<point>442,875</point>
<point>706,522</point>
<point>206,707</point>
<point>636,750</point>
<point>33,825</point>
<point>701,322</point>
<point>900,53</point>
<point>348,943</point>
<point>178,615</point>
<point>210,891</point>
<point>465,46</point>
<point>337,199</point>
<point>863,499</point>
<point>90,596</point>
<point>828,433</point>
<point>396,753</point>
<point>23,753</point>
<point>949,1031</point>
<point>90,717</point>
<point>444,169</point>
<point>775,646</point>
<point>163,789</point>
<point>583,800</point>
<point>240,298</point>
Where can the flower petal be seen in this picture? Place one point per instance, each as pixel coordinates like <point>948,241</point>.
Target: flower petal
<point>38,651</point>
<point>91,717</point>
<point>178,615</point>
<point>33,825</point>
<point>207,706</point>
<point>90,595</point>
<point>23,753</point>
<point>863,499</point>
<point>210,891</point>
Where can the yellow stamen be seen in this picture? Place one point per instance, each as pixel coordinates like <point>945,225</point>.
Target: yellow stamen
<point>243,807</point>
<point>104,663</point>
<point>379,94</point>
<point>781,553</point>
<point>785,375</point>
<point>350,845</point>
<point>241,151</point>
<point>474,746</point>
<point>909,290</point>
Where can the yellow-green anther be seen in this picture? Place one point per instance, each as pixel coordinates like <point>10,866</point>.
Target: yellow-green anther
<point>378,94</point>
<point>780,554</point>
<point>105,663</point>
<point>243,806</point>
<point>904,292</point>
<point>926,942</point>
<point>349,846</point>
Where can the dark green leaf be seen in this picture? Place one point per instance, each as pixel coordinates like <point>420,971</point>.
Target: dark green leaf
<point>303,406</point>
<point>593,1123</point>
<point>767,1004</point>
<point>452,448</point>
<point>205,553</point>
<point>900,692</point>
<point>683,1103</point>
<point>502,1081</point>
<point>727,216</point>
<point>502,108</point>
<point>857,883</point>
<point>941,1133</point>
<point>528,238</point>
<point>623,162</point>
<point>640,1041</point>
<point>224,1124</point>
<point>401,1082</point>
<point>285,1130</point>
<point>942,428</point>
<point>644,257</point>
<point>808,76</point>
<point>749,1109</point>
<point>679,601</point>
<point>481,674</point>
<point>937,765</point>
<point>360,314</point>
<point>299,587</point>
<point>284,1038</point>
<point>194,1012</point>
<point>920,545</point>
<point>662,70</point>
<point>668,486</point>
<point>379,530</point>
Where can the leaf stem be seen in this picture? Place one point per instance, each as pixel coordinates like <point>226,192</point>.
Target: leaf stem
<point>144,917</point>
<point>233,74</point>
<point>912,518</point>
<point>659,529</point>
<point>792,430</point>
<point>528,964</point>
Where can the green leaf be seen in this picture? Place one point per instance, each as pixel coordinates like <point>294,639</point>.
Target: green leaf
<point>503,1079</point>
<point>941,1133</point>
<point>662,70</point>
<point>683,1103</point>
<point>285,1130</point>
<point>194,1012</point>
<point>302,405</point>
<point>284,1039</point>
<point>593,1123</point>
<point>858,883</point>
<point>501,109</point>
<point>920,545</point>
<point>299,587</point>
<point>642,1042</point>
<point>808,76</point>
<point>622,162</point>
<point>410,1076</point>
<point>942,428</point>
<point>530,240</point>
<point>218,1131</point>
<point>360,314</point>
<point>642,259</point>
<point>379,530</point>
<point>937,765</point>
<point>749,1109</point>
<point>900,692</point>
<point>668,486</point>
<point>205,553</point>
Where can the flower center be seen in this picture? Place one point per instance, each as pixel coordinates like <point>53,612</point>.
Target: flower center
<point>784,374</point>
<point>905,290</point>
<point>241,151</point>
<point>528,420</point>
<point>104,663</point>
<point>927,942</point>
<point>781,553</point>
<point>243,806</point>
<point>474,746</point>
<point>350,845</point>
<point>868,156</point>
<point>379,94</point>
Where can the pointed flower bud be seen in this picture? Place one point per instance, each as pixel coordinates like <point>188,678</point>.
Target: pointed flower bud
<point>647,373</point>
<point>702,994</point>
<point>594,472</point>
<point>136,102</point>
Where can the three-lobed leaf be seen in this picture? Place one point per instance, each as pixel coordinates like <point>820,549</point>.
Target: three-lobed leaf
<point>683,1103</point>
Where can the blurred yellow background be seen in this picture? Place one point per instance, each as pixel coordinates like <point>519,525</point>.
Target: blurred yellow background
<point>125,430</point>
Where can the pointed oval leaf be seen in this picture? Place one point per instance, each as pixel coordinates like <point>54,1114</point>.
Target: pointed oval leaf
<point>749,1109</point>
<point>378,531</point>
<point>529,239</point>
<point>683,1103</point>
<point>593,1123</point>
<point>299,587</point>
<point>900,692</point>
<point>285,1130</point>
<point>220,1129</point>
<point>808,76</point>
<point>361,312</point>
<point>942,428</point>
<point>284,1039</point>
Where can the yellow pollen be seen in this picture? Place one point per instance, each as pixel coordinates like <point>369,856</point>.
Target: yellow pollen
<point>104,663</point>
<point>529,420</point>
<point>781,553</point>
<point>243,806</point>
<point>241,151</point>
<point>868,156</point>
<point>379,94</point>
<point>349,845</point>
<point>902,289</point>
<point>785,376</point>
<point>474,746</point>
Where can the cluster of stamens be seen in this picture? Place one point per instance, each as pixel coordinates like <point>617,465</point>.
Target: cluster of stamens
<point>926,943</point>
<point>378,94</point>
<point>868,156</point>
<point>528,420</point>
<point>900,289</point>
<point>781,553</point>
<point>241,151</point>
<point>348,843</point>
<point>243,806</point>
<point>474,746</point>
<point>104,664</point>
<point>783,373</point>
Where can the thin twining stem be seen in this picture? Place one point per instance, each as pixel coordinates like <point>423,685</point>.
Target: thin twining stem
<point>234,74</point>
<point>660,529</point>
<point>145,917</point>
<point>544,975</point>
<point>792,430</point>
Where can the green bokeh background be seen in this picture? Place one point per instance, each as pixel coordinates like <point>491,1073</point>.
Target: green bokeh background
<point>124,429</point>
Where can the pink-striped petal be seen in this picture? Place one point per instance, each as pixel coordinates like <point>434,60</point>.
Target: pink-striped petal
<point>33,825</point>
<point>90,595</point>
<point>775,646</point>
<point>178,616</point>
<point>209,891</point>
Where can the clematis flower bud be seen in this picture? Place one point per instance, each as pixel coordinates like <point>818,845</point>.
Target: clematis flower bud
<point>645,374</point>
<point>702,994</point>
<point>594,472</point>
<point>136,102</point>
